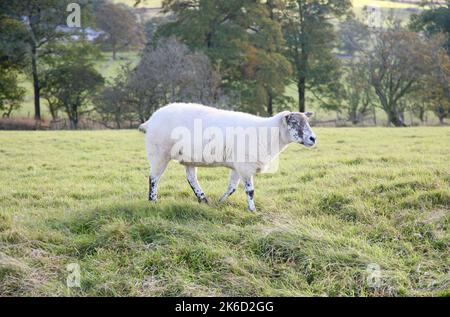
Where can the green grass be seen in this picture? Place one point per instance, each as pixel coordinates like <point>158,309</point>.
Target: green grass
<point>362,196</point>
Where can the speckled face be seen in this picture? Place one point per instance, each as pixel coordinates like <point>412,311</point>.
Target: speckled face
<point>299,129</point>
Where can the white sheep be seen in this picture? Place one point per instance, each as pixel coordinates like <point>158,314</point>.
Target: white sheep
<point>197,135</point>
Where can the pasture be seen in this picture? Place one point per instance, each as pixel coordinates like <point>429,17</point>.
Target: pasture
<point>361,198</point>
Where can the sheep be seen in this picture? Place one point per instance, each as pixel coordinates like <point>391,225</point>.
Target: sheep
<point>199,136</point>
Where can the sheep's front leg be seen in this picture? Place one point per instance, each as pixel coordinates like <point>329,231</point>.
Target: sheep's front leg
<point>191,175</point>
<point>232,185</point>
<point>248,185</point>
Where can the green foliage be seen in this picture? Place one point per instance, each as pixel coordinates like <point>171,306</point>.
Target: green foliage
<point>13,58</point>
<point>113,103</point>
<point>361,196</point>
<point>13,49</point>
<point>120,26</point>
<point>168,72</point>
<point>242,39</point>
<point>11,95</point>
<point>432,21</point>
<point>70,80</point>
<point>39,21</point>
<point>311,41</point>
<point>354,97</point>
<point>436,24</point>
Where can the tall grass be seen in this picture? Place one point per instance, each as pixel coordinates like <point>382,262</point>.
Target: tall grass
<point>362,197</point>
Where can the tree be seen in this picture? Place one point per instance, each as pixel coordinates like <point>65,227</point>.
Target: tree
<point>268,71</point>
<point>310,40</point>
<point>11,95</point>
<point>113,103</point>
<point>38,27</point>
<point>243,40</point>
<point>435,23</point>
<point>152,25</point>
<point>119,26</point>
<point>397,62</point>
<point>13,58</point>
<point>71,81</point>
<point>170,72</point>
<point>432,21</point>
<point>167,72</point>
<point>437,80</point>
<point>355,96</point>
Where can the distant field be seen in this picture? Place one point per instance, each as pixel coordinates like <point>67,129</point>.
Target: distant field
<point>362,199</point>
<point>142,4</point>
<point>383,4</point>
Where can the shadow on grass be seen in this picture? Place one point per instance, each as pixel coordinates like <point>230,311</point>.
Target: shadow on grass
<point>114,223</point>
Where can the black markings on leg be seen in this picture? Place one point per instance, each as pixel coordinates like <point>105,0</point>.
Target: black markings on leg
<point>199,194</point>
<point>152,193</point>
<point>191,175</point>
<point>233,183</point>
<point>228,193</point>
<point>250,193</point>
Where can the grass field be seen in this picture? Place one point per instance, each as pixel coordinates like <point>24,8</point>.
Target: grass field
<point>361,198</point>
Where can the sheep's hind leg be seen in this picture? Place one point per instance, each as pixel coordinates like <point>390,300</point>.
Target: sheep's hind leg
<point>191,175</point>
<point>157,168</point>
<point>249,190</point>
<point>232,185</point>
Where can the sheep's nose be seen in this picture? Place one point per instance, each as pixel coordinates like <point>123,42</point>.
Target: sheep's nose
<point>312,139</point>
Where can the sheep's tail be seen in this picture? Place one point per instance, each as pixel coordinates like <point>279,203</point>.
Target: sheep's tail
<point>143,127</point>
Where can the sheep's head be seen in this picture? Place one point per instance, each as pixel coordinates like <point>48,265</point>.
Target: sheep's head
<point>298,128</point>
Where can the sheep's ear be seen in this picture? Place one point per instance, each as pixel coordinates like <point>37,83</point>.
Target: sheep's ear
<point>309,114</point>
<point>287,117</point>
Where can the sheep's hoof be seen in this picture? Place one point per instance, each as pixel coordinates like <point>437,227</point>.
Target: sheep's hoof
<point>204,200</point>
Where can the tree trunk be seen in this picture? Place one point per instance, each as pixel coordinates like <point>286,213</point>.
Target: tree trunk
<point>396,120</point>
<point>117,117</point>
<point>72,113</point>
<point>422,116</point>
<point>301,93</point>
<point>209,39</point>
<point>270,105</point>
<point>36,87</point>
<point>114,48</point>
<point>374,112</point>
<point>394,116</point>
<point>353,114</point>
